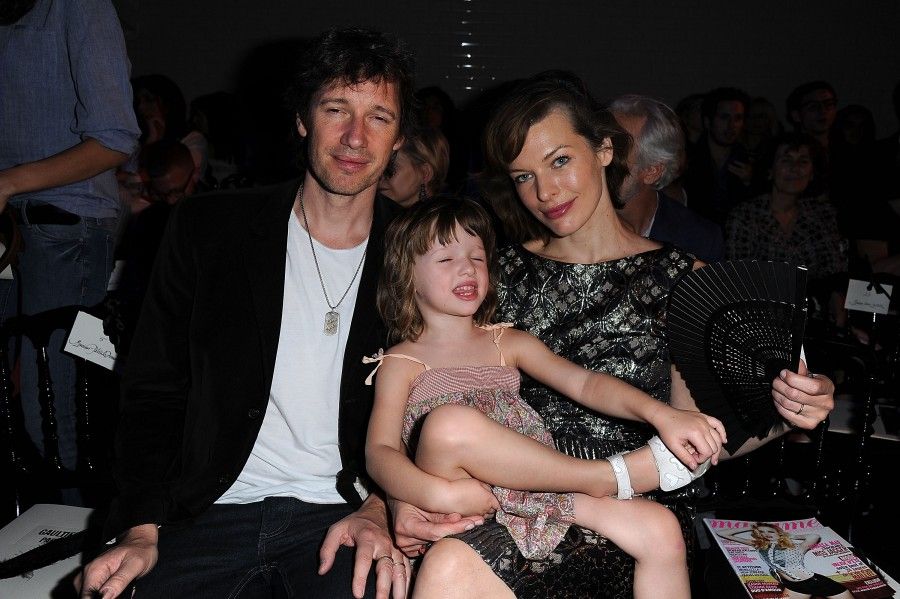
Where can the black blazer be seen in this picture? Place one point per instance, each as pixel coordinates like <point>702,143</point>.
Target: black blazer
<point>687,230</point>
<point>197,382</point>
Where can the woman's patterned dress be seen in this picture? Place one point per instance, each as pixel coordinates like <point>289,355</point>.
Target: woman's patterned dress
<point>608,317</point>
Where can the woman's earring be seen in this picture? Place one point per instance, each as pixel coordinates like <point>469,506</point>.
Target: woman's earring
<point>423,195</point>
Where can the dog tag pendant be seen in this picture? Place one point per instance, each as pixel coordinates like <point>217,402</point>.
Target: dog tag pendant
<point>332,319</point>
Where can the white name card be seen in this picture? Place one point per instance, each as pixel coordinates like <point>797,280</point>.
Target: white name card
<point>862,297</point>
<point>88,341</point>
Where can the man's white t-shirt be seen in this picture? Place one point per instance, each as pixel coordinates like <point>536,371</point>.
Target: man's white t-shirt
<point>296,453</point>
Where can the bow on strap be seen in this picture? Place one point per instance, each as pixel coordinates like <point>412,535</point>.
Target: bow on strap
<point>377,357</point>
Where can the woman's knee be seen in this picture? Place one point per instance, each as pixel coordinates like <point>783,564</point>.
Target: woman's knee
<point>452,569</point>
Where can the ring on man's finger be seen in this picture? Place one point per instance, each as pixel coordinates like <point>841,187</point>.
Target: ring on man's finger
<point>387,557</point>
<point>801,408</point>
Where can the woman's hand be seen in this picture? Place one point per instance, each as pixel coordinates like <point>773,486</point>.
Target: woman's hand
<point>803,399</point>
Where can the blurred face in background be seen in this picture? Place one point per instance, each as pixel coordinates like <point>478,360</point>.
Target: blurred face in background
<point>433,112</point>
<point>792,169</point>
<point>727,124</point>
<point>817,111</point>
<point>692,117</point>
<point>404,182</point>
<point>853,129</point>
<point>173,185</point>
<point>761,119</point>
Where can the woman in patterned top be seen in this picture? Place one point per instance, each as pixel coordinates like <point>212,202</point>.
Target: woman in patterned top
<point>595,293</point>
<point>448,417</point>
<point>786,224</point>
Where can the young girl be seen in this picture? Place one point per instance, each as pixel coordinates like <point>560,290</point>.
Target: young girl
<point>437,296</point>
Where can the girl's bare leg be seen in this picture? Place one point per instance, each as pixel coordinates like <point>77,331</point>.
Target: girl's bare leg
<point>459,441</point>
<point>648,532</point>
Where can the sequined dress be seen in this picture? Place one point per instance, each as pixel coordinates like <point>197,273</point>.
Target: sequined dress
<point>608,317</point>
<point>536,522</point>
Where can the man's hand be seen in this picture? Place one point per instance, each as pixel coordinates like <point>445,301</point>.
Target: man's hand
<point>367,530</point>
<point>414,529</point>
<point>111,572</point>
<point>803,399</point>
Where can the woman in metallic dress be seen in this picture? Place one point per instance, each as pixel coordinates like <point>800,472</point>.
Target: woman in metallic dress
<point>595,292</point>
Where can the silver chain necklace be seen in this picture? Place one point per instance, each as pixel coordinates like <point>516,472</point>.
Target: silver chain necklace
<point>332,318</point>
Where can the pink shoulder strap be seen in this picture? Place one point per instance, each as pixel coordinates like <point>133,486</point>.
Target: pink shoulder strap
<point>379,358</point>
<point>497,330</point>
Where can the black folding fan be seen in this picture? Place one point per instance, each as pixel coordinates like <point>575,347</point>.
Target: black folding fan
<point>732,327</point>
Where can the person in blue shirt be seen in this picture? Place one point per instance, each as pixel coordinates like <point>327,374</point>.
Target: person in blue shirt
<point>67,122</point>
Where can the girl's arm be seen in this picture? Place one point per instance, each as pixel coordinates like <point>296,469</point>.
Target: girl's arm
<point>703,435</point>
<point>386,458</point>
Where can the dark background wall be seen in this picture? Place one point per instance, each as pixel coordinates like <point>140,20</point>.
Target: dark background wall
<point>666,48</point>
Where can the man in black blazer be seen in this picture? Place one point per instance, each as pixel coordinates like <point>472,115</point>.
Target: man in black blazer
<point>655,159</point>
<point>244,411</point>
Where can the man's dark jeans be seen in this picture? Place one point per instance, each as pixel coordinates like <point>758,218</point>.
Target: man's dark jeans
<point>264,549</point>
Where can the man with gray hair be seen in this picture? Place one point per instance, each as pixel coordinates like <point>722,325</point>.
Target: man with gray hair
<point>655,160</point>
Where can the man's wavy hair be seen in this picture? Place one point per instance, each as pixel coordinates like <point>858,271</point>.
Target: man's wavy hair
<point>348,57</point>
<point>660,140</point>
<point>528,103</point>
<point>410,236</point>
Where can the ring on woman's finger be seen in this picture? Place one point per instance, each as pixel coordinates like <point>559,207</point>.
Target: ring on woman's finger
<point>387,557</point>
<point>801,408</point>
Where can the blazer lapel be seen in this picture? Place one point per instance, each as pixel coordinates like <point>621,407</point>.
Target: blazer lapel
<point>366,327</point>
<point>366,335</point>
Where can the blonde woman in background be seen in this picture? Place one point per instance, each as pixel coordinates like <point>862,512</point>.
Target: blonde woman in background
<point>419,169</point>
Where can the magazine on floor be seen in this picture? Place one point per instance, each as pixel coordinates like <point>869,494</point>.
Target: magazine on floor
<point>775,560</point>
